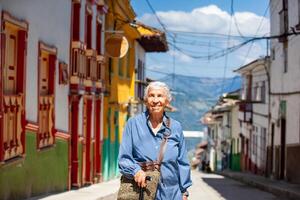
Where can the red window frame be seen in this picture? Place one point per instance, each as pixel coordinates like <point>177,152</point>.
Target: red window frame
<point>15,147</point>
<point>46,106</point>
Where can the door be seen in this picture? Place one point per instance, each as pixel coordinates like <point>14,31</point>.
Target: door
<point>74,104</point>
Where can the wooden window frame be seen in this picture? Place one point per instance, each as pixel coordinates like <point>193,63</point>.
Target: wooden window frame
<point>46,102</point>
<point>63,74</point>
<point>8,150</point>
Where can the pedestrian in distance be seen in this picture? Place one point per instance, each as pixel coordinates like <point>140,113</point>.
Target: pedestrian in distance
<point>154,141</point>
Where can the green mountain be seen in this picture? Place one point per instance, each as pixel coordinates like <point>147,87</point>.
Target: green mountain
<point>193,96</point>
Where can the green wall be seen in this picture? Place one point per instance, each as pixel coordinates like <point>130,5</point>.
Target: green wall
<point>39,173</point>
<point>236,162</point>
<point>110,168</point>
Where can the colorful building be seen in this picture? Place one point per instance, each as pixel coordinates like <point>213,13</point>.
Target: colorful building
<point>125,77</point>
<point>63,101</point>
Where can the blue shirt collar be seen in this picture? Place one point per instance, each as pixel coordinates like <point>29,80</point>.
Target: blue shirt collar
<point>167,131</point>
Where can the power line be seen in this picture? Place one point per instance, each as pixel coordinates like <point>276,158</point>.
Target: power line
<point>228,40</point>
<point>226,51</point>
<point>156,16</point>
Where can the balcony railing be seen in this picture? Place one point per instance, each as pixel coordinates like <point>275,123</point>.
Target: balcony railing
<point>100,71</point>
<point>91,67</point>
<point>78,64</point>
<point>246,112</point>
<point>12,126</point>
<point>46,121</point>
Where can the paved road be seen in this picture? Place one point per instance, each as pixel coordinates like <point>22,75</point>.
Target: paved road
<point>216,187</point>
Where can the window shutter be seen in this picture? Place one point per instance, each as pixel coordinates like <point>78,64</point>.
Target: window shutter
<point>21,61</point>
<point>52,65</point>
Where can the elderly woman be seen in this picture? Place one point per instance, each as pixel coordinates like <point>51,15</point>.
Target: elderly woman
<point>141,142</point>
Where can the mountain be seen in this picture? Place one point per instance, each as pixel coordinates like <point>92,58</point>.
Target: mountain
<point>193,96</point>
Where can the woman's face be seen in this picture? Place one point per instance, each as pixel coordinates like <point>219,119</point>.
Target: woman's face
<point>156,101</point>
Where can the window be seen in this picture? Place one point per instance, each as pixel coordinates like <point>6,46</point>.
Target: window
<point>263,92</point>
<point>255,94</point>
<point>283,21</point>
<point>98,35</point>
<point>128,63</point>
<point>46,80</point>
<point>263,145</point>
<point>76,20</point>
<point>140,77</point>
<point>120,66</point>
<point>285,57</point>
<point>88,25</point>
<point>12,92</point>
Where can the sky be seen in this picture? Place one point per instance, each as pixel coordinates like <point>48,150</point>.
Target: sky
<point>200,32</point>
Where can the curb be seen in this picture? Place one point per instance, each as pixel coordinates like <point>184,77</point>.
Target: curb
<point>109,197</point>
<point>269,188</point>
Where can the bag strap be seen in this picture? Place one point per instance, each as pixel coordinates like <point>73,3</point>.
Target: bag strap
<point>163,144</point>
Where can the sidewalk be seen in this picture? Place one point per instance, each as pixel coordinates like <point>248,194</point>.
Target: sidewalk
<point>280,188</point>
<point>101,191</point>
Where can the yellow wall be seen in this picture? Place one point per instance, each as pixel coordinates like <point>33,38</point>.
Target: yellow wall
<point>122,87</point>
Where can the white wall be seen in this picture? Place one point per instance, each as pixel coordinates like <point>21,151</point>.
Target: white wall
<point>49,21</point>
<point>285,82</point>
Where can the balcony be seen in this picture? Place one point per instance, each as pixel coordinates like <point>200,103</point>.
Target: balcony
<point>100,71</point>
<point>78,63</point>
<point>91,68</point>
<point>245,112</point>
<point>13,108</point>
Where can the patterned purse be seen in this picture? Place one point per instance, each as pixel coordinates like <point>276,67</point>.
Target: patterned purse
<point>129,190</point>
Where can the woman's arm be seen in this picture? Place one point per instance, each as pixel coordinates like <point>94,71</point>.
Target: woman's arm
<point>127,165</point>
<point>183,165</point>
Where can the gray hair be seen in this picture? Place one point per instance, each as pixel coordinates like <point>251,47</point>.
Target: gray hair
<point>158,84</point>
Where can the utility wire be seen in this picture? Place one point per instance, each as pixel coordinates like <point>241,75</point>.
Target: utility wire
<point>228,41</point>
<point>157,18</point>
<point>251,45</point>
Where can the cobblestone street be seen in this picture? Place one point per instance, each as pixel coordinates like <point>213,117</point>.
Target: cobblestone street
<point>215,187</point>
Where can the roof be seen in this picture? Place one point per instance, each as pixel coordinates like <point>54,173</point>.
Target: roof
<point>252,65</point>
<point>152,39</point>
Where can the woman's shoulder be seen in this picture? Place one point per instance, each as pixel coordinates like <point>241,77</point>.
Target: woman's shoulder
<point>175,123</point>
<point>136,118</point>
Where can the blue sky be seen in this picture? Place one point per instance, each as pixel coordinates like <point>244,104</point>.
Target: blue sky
<point>198,31</point>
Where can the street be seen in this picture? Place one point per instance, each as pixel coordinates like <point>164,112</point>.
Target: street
<point>214,187</point>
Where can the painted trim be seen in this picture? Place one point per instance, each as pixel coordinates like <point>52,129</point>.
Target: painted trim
<point>32,127</point>
<point>63,135</point>
<point>52,56</point>
<point>45,47</point>
<point>22,28</point>
<point>21,24</point>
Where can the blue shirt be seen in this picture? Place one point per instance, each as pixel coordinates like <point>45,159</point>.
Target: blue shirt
<point>140,144</point>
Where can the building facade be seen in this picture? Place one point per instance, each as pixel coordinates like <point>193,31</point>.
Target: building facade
<point>63,101</point>
<point>284,143</point>
<point>253,115</point>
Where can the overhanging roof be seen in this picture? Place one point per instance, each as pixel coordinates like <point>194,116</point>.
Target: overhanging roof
<point>152,39</point>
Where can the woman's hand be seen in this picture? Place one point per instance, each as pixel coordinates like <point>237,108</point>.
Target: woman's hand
<point>184,197</point>
<point>140,178</point>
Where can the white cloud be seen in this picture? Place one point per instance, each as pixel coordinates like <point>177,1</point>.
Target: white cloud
<point>210,19</point>
<point>180,56</point>
<point>246,56</point>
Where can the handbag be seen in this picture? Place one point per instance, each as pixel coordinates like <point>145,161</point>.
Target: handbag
<point>129,190</point>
